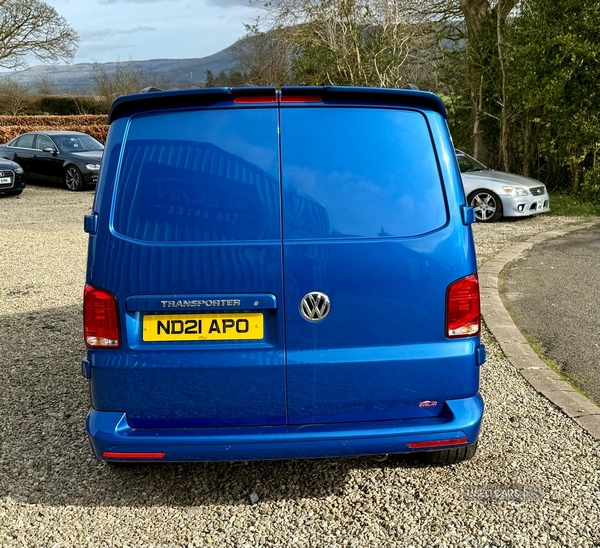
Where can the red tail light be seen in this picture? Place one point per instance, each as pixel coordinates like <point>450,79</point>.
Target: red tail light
<point>100,319</point>
<point>463,312</point>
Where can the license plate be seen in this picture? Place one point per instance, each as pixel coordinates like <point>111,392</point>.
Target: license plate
<point>5,180</point>
<point>540,203</point>
<point>203,327</point>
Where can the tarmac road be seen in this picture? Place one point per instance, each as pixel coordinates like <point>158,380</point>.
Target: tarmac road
<point>553,293</point>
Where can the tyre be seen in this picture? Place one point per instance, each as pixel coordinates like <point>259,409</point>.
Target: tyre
<point>488,207</point>
<point>14,192</point>
<point>449,456</point>
<point>73,178</point>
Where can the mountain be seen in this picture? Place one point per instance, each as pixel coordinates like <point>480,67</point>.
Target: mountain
<point>77,78</point>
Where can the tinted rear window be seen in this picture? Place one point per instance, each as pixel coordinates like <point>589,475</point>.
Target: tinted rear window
<point>210,175</point>
<point>358,172</point>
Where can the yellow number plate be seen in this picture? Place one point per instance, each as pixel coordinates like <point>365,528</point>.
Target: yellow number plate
<point>202,327</point>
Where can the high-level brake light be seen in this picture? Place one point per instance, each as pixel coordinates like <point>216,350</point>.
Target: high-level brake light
<point>301,99</point>
<point>251,100</point>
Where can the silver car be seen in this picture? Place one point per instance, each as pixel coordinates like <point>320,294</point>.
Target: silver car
<point>494,194</point>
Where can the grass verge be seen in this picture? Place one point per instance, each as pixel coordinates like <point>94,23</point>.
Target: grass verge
<point>574,206</point>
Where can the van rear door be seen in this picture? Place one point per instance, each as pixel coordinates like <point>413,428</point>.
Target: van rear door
<point>193,253</point>
<point>370,248</point>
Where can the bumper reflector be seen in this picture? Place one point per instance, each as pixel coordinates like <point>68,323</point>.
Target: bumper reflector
<point>437,443</point>
<point>115,455</point>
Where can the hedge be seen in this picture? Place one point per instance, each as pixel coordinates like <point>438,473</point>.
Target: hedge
<point>65,105</point>
<point>11,126</point>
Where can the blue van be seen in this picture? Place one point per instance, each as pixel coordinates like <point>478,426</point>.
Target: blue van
<point>280,274</point>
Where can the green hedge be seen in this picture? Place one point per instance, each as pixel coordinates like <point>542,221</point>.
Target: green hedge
<point>66,105</point>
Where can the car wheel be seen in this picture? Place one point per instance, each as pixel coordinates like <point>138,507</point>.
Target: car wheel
<point>14,192</point>
<point>488,207</point>
<point>73,178</point>
<point>450,456</point>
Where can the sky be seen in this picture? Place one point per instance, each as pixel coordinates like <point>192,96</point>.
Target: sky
<point>124,30</point>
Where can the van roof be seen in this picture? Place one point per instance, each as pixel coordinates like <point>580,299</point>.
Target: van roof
<point>163,100</point>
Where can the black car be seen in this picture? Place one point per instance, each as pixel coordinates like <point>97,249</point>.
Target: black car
<point>12,178</point>
<point>68,156</point>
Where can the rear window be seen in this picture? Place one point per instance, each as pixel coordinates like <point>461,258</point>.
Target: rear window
<point>208,175</point>
<point>358,173</point>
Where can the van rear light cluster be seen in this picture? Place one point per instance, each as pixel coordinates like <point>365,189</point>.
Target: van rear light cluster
<point>100,319</point>
<point>463,310</point>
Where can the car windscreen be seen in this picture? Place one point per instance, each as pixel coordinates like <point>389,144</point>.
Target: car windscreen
<point>359,173</point>
<point>466,163</point>
<point>77,143</point>
<point>200,176</point>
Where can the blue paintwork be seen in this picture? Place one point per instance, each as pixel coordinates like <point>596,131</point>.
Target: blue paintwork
<point>206,303</point>
<point>201,198</point>
<point>90,224</point>
<point>111,432</point>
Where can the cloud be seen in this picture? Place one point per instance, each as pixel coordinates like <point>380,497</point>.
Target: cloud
<point>135,1</point>
<point>96,35</point>
<point>227,3</point>
<point>88,52</point>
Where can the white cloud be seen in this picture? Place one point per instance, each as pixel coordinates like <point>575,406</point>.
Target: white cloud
<point>94,35</point>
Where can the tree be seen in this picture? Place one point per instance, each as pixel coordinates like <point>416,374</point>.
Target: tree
<point>263,57</point>
<point>125,79</point>
<point>13,96</point>
<point>352,42</point>
<point>33,28</point>
<point>559,61</point>
<point>44,84</point>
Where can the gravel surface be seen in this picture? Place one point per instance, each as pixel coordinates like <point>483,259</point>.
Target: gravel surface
<point>535,480</point>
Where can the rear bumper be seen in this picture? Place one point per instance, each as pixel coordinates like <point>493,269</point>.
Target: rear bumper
<point>109,432</point>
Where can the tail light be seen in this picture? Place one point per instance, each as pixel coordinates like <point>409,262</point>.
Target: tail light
<point>100,319</point>
<point>463,311</point>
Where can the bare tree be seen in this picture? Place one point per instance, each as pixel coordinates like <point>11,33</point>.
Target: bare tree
<point>125,79</point>
<point>263,57</point>
<point>352,42</point>
<point>33,28</point>
<point>44,84</point>
<point>13,96</point>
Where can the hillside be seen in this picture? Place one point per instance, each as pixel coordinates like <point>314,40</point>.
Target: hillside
<point>77,78</point>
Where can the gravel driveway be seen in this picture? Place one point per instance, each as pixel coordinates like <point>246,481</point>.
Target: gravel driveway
<point>535,480</point>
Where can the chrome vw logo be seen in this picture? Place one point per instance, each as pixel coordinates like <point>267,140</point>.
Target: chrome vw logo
<point>315,306</point>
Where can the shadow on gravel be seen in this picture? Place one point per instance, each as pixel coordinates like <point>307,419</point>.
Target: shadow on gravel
<point>45,457</point>
<point>57,184</point>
